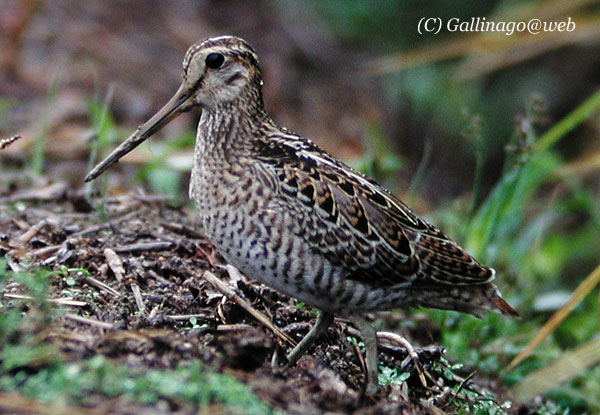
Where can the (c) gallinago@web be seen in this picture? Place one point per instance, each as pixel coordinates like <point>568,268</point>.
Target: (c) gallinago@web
<point>288,214</point>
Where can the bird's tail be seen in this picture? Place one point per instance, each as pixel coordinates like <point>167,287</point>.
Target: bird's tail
<point>473,299</point>
<point>503,306</point>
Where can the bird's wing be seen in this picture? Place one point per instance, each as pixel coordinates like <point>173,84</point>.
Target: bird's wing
<point>357,224</point>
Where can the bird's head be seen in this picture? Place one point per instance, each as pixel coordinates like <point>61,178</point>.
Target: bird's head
<point>219,70</point>
<point>217,73</point>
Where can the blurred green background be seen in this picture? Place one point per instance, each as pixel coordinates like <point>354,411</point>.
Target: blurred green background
<point>493,137</point>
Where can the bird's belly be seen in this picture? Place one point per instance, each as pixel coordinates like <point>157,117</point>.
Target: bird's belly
<point>263,248</point>
<point>264,244</point>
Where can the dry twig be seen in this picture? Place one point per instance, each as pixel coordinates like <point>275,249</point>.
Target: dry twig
<point>396,338</point>
<point>58,301</point>
<point>145,246</point>
<point>102,286</point>
<point>114,263</point>
<point>186,317</point>
<point>137,295</point>
<point>228,292</point>
<point>89,321</point>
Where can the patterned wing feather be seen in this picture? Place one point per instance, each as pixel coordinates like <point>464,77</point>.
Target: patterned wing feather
<point>360,226</point>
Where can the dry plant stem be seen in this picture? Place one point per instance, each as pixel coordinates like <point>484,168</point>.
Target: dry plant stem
<point>234,274</point>
<point>137,295</point>
<point>565,368</point>
<point>46,251</point>
<point>30,234</point>
<point>89,321</point>
<point>233,327</point>
<point>57,301</point>
<point>360,357</point>
<point>463,382</point>
<point>145,246</point>
<point>228,292</point>
<point>434,400</point>
<point>396,338</point>
<point>186,317</point>
<point>578,295</point>
<point>102,286</point>
<point>53,191</point>
<point>90,229</point>
<point>114,263</point>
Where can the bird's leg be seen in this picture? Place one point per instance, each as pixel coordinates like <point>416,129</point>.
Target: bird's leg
<point>324,320</point>
<point>369,336</point>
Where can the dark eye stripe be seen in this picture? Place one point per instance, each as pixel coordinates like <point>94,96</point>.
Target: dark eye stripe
<point>233,77</point>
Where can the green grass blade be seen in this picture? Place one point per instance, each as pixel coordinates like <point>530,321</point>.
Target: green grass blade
<point>584,111</point>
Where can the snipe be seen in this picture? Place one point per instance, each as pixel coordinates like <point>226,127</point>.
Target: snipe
<point>288,214</point>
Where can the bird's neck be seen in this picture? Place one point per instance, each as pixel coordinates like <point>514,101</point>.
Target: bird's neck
<point>227,129</point>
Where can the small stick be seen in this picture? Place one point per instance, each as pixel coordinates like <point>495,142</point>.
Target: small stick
<point>102,286</point>
<point>228,292</point>
<point>234,274</point>
<point>157,277</point>
<point>145,246</point>
<point>51,192</point>
<point>114,263</point>
<point>460,386</point>
<point>89,321</point>
<point>58,301</point>
<point>28,235</point>
<point>233,327</point>
<point>137,294</point>
<point>186,317</point>
<point>396,338</point>
<point>90,229</point>
<point>360,357</point>
<point>46,251</point>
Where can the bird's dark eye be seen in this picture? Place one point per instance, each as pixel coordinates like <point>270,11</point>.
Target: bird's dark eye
<point>214,60</point>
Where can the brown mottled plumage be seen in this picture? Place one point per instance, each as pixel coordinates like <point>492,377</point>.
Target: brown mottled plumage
<point>291,216</point>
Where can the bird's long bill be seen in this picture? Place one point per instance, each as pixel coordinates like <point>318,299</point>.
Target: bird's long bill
<point>159,120</point>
